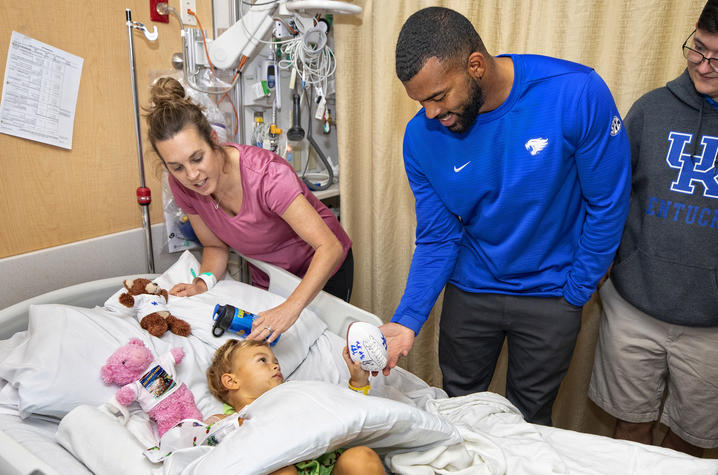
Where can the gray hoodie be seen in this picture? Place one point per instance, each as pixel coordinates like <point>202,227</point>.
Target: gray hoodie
<point>667,263</point>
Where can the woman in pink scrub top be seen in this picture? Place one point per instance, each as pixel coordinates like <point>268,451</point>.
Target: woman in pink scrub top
<point>251,200</point>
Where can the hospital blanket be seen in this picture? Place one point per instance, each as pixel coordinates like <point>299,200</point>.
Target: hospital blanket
<point>498,441</point>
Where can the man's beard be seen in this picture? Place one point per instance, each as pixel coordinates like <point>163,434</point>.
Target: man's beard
<point>470,110</point>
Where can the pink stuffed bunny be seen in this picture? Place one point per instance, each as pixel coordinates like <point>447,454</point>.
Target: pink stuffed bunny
<point>152,383</point>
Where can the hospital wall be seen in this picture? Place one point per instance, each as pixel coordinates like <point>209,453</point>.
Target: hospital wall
<point>71,215</point>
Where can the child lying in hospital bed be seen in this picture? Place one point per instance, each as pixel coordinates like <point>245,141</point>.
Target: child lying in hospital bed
<point>305,418</point>
<point>242,371</point>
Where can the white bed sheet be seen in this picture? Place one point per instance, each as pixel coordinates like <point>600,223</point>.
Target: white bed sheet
<point>37,435</point>
<point>500,441</point>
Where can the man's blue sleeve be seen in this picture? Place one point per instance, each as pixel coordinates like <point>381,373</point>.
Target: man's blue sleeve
<point>604,171</point>
<point>438,235</point>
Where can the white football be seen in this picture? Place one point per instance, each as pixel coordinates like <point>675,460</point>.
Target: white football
<point>367,346</point>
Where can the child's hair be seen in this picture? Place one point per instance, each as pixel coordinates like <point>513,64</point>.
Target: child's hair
<point>222,363</point>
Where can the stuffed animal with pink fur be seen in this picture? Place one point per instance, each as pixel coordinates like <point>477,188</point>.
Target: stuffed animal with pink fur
<point>152,383</point>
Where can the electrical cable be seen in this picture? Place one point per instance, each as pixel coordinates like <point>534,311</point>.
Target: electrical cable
<point>204,40</point>
<point>320,153</point>
<point>311,57</point>
<point>252,35</point>
<point>309,54</point>
<point>226,94</point>
<point>234,109</point>
<point>193,84</point>
<point>163,8</point>
<point>314,65</point>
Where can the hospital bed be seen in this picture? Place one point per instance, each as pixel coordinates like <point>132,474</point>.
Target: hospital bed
<point>51,344</point>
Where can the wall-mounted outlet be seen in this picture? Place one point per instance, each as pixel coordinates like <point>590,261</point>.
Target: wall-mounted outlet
<point>187,19</point>
<point>155,15</point>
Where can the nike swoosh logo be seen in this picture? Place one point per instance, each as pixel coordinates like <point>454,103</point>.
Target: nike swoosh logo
<point>457,170</point>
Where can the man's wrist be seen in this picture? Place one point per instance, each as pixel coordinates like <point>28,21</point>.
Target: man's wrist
<point>409,322</point>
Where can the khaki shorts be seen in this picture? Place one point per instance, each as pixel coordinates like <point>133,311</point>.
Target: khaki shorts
<point>638,358</point>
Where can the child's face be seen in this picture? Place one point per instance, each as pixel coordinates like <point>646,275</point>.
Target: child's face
<point>255,370</point>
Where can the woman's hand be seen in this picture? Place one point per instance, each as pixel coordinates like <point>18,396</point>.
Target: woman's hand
<point>187,290</point>
<point>273,322</point>
<point>358,377</point>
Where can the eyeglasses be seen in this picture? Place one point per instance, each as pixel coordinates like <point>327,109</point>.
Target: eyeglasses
<point>697,57</point>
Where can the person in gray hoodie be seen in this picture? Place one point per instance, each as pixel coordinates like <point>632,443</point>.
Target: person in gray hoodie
<point>659,332</point>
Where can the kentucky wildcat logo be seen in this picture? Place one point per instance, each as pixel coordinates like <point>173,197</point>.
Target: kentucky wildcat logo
<point>534,146</point>
<point>693,169</point>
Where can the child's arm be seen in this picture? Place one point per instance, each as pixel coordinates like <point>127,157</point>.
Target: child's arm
<point>358,377</point>
<point>214,418</point>
<point>218,417</point>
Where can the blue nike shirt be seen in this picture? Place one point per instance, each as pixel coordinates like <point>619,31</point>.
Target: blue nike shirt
<point>530,201</point>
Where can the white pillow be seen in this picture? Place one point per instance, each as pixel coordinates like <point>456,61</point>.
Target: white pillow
<point>293,345</point>
<point>301,420</point>
<point>58,366</point>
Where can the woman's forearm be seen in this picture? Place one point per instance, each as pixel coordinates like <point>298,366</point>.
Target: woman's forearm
<point>214,260</point>
<point>327,257</point>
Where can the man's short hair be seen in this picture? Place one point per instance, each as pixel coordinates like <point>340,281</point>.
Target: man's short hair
<point>434,32</point>
<point>708,21</point>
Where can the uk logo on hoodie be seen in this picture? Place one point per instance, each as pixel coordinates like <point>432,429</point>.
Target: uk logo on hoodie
<point>693,169</point>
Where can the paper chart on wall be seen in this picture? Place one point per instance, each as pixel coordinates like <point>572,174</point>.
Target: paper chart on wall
<point>39,92</point>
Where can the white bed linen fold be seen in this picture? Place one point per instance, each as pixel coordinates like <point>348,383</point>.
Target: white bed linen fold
<point>501,442</point>
<point>103,440</point>
<point>301,420</point>
<point>592,455</point>
<point>37,435</point>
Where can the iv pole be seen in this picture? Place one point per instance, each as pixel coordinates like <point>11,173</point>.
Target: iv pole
<point>144,195</point>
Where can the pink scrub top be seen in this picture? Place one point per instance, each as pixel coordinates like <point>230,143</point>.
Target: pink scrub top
<point>269,186</point>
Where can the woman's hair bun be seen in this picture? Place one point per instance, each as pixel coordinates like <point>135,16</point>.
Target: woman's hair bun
<point>166,90</point>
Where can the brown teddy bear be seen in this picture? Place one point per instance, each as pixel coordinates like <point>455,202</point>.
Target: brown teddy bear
<point>150,304</point>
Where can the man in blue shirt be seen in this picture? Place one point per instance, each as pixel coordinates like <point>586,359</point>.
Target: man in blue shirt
<point>520,170</point>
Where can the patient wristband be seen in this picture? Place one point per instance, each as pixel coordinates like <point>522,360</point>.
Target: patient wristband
<point>208,278</point>
<point>364,389</point>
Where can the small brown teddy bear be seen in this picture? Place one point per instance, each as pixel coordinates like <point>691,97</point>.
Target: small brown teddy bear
<point>150,304</point>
